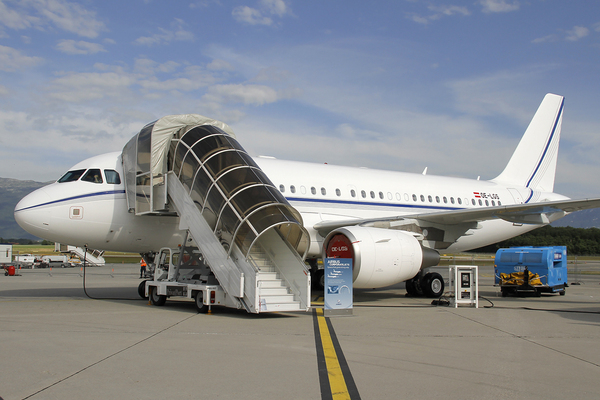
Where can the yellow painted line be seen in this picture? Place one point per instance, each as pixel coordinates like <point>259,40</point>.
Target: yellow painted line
<point>337,383</point>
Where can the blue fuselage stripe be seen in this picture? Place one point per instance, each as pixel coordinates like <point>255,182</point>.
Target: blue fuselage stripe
<point>368,203</point>
<point>82,196</point>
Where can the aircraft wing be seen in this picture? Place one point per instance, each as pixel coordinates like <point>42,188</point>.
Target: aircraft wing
<point>533,213</point>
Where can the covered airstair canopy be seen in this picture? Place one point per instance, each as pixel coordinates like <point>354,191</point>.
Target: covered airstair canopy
<point>235,197</point>
<point>194,166</point>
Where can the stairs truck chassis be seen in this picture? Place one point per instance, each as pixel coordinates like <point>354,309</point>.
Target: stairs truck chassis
<point>183,273</point>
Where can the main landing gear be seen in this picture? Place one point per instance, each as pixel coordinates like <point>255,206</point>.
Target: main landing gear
<point>429,285</point>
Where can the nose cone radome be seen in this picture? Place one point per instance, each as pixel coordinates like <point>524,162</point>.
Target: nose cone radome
<point>31,214</point>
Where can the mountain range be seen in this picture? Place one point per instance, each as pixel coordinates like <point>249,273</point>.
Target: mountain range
<point>13,190</point>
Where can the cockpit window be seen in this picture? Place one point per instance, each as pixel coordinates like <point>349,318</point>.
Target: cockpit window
<point>93,175</point>
<point>71,176</point>
<point>112,177</point>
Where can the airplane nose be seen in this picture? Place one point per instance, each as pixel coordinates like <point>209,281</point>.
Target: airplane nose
<point>31,214</point>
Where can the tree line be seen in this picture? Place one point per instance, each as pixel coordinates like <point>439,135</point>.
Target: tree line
<point>26,241</point>
<point>579,241</point>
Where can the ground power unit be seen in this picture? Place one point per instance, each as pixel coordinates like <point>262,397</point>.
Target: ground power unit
<point>531,270</point>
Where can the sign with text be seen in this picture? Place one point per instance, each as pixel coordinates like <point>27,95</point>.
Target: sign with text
<point>338,284</point>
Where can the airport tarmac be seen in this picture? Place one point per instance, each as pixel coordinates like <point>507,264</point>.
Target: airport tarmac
<point>56,343</point>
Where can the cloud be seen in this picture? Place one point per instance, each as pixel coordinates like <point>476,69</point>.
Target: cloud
<point>166,36</point>
<point>260,15</point>
<point>545,39</point>
<point>238,93</point>
<point>497,6</point>
<point>577,33</point>
<point>70,16</point>
<point>276,7</point>
<point>65,15</point>
<point>250,16</point>
<point>15,19</point>
<point>219,65</point>
<point>79,87</point>
<point>438,12</point>
<point>573,35</point>
<point>13,60</point>
<point>80,47</point>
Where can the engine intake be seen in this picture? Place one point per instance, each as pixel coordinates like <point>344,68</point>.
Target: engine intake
<point>380,257</point>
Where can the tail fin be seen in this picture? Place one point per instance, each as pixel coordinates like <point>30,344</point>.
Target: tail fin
<point>533,164</point>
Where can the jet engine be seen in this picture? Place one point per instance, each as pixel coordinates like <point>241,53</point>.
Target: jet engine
<point>381,257</point>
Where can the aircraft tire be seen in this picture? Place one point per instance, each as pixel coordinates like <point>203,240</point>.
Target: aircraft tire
<point>156,299</point>
<point>142,289</point>
<point>198,301</point>
<point>433,285</point>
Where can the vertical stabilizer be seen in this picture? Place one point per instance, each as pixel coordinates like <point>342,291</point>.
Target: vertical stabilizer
<point>533,164</point>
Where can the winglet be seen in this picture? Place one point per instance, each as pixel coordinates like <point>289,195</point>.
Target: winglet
<point>533,164</point>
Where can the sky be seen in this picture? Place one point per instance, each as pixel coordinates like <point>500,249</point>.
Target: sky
<point>398,85</point>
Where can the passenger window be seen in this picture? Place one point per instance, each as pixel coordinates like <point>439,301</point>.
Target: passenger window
<point>499,204</point>
<point>437,199</point>
<point>452,200</point>
<point>372,194</point>
<point>323,191</point>
<point>473,201</point>
<point>414,197</point>
<point>313,190</point>
<point>281,188</point>
<point>71,176</point>
<point>423,198</point>
<point>363,193</point>
<point>112,177</point>
<point>381,195</point>
<point>353,193</point>
<point>293,189</point>
<point>493,203</point>
<point>338,192</point>
<point>480,202</point>
<point>487,203</point>
<point>430,199</point>
<point>93,175</point>
<point>459,200</point>
<point>445,200</point>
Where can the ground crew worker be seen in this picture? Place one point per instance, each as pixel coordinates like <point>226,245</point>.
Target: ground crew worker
<point>142,268</point>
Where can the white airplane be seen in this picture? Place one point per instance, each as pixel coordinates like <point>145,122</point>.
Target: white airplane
<point>392,224</point>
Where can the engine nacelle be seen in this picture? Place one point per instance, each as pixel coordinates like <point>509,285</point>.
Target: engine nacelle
<point>381,257</point>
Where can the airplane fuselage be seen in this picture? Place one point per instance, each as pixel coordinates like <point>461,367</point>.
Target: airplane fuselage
<point>93,214</point>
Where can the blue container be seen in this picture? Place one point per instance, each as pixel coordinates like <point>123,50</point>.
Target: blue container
<point>549,263</point>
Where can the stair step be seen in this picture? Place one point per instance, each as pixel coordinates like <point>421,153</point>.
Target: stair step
<point>281,307</point>
<point>267,276</point>
<point>281,298</point>
<point>262,263</point>
<point>273,291</point>
<point>272,283</point>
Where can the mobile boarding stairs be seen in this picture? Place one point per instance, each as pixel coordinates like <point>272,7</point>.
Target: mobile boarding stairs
<point>249,242</point>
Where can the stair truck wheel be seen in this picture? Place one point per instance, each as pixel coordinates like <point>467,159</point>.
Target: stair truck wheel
<point>142,289</point>
<point>433,285</point>
<point>156,299</point>
<point>318,279</point>
<point>198,300</point>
